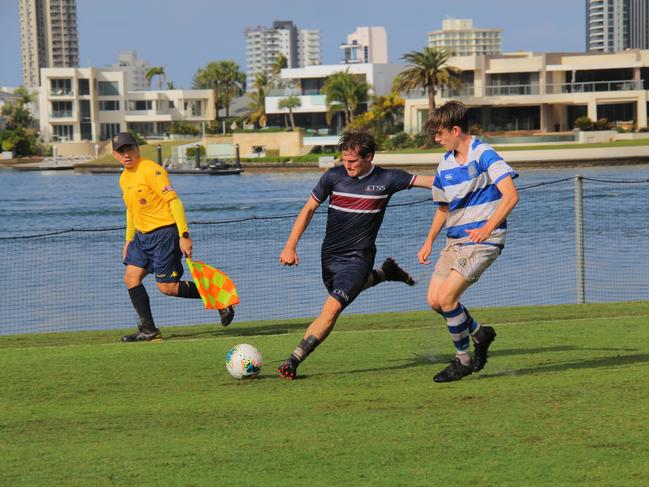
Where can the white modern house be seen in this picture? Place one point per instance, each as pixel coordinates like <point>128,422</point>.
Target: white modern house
<point>545,91</point>
<point>306,83</point>
<point>93,104</point>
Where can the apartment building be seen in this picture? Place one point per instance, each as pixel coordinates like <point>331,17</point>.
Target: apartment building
<point>366,45</point>
<point>615,25</point>
<point>135,70</point>
<point>93,104</point>
<point>48,36</point>
<point>460,38</point>
<point>306,84</point>
<point>545,91</point>
<point>300,46</point>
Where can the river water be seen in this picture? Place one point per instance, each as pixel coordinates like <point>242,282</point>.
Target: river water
<point>72,281</point>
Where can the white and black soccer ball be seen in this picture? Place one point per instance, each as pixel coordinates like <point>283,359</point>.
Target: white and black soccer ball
<point>243,361</point>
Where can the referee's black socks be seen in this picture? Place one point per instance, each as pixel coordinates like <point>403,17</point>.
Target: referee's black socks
<point>188,289</point>
<point>140,299</point>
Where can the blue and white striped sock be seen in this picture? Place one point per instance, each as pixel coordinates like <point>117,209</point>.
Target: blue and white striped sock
<point>457,321</point>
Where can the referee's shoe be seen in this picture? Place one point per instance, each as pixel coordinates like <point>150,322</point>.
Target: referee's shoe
<point>143,335</point>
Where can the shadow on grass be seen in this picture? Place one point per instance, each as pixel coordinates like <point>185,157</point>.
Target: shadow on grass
<point>611,361</point>
<point>419,360</point>
<point>218,330</point>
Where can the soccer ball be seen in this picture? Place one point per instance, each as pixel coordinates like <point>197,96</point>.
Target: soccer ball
<point>243,361</point>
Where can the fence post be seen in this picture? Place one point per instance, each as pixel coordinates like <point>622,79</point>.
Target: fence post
<point>579,239</point>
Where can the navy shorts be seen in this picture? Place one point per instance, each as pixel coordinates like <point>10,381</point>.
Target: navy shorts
<point>345,276</point>
<point>158,252</point>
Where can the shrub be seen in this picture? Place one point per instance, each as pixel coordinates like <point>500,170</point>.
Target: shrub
<point>400,140</point>
<point>643,129</point>
<point>184,129</point>
<point>602,124</point>
<point>421,140</point>
<point>191,151</point>
<point>584,123</point>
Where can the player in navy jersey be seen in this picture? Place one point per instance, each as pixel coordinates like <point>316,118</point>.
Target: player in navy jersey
<point>474,192</point>
<point>358,193</point>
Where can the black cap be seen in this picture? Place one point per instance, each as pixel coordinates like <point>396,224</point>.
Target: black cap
<point>122,139</point>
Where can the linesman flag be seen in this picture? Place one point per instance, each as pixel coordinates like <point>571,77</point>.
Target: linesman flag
<point>215,287</point>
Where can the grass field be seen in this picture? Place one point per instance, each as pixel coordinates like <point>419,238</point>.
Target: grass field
<point>562,401</point>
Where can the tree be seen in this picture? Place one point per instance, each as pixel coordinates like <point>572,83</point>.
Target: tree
<point>257,105</point>
<point>19,134</point>
<point>225,78</point>
<point>280,63</point>
<point>344,92</point>
<point>385,117</point>
<point>427,70</point>
<point>158,71</point>
<point>289,103</point>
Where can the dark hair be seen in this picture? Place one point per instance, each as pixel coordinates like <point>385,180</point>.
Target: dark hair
<point>359,140</point>
<point>449,115</point>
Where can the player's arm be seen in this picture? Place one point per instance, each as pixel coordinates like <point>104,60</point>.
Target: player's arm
<point>130,231</point>
<point>505,206</point>
<point>439,220</point>
<point>178,212</point>
<point>423,181</point>
<point>289,254</point>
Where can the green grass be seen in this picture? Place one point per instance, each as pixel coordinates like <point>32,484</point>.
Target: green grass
<point>147,151</point>
<point>571,145</point>
<point>562,401</point>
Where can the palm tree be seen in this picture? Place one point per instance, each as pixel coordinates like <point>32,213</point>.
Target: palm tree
<point>280,63</point>
<point>225,78</point>
<point>158,71</point>
<point>344,92</point>
<point>257,105</point>
<point>233,80</point>
<point>289,103</point>
<point>428,70</point>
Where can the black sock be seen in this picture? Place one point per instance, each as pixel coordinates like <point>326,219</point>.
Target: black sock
<point>140,300</point>
<point>304,348</point>
<point>377,276</point>
<point>188,289</point>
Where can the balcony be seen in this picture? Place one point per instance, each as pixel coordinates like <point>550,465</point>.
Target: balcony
<point>61,114</point>
<point>61,92</point>
<point>512,90</point>
<point>591,86</point>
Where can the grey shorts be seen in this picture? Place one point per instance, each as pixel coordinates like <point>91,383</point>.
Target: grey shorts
<point>467,258</point>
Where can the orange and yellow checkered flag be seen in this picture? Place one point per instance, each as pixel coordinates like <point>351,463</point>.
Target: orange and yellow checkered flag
<point>215,287</point>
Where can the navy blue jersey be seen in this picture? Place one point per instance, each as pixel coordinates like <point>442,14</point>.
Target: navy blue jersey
<point>357,205</point>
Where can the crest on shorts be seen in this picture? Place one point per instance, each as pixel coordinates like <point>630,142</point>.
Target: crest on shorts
<point>142,201</point>
<point>461,262</point>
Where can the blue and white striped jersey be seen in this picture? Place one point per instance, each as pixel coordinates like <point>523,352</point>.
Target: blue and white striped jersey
<point>470,190</point>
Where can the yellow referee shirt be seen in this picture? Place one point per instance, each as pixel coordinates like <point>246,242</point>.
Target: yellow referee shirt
<point>147,191</point>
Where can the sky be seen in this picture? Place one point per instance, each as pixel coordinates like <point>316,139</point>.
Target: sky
<point>184,35</point>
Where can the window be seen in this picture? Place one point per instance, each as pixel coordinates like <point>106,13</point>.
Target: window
<point>108,88</point>
<point>140,105</point>
<point>171,104</point>
<point>61,87</point>
<point>62,132</point>
<point>108,130</point>
<point>61,109</point>
<point>109,105</point>
<point>84,87</point>
<point>86,131</point>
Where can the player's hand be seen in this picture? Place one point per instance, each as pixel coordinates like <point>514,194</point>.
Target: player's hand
<point>124,250</point>
<point>478,235</point>
<point>186,247</point>
<point>424,253</point>
<point>289,257</point>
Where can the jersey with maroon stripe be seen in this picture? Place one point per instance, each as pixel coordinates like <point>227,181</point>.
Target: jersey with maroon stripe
<point>357,205</point>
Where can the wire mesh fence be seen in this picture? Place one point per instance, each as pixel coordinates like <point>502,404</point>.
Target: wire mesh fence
<point>72,280</point>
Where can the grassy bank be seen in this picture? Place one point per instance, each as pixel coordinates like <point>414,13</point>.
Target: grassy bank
<point>561,402</point>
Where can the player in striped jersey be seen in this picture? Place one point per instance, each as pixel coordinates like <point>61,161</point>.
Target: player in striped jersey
<point>474,192</point>
<point>358,193</point>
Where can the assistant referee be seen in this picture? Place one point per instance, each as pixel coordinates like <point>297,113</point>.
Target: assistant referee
<point>157,236</point>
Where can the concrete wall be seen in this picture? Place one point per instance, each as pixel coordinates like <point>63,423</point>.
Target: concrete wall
<point>65,149</point>
<point>288,143</point>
